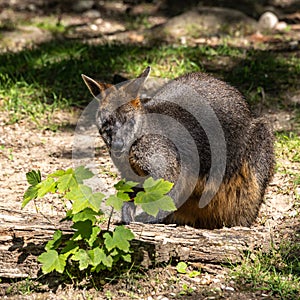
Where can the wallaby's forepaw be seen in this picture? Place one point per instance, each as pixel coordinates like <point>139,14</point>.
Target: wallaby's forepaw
<point>129,215</point>
<point>128,212</point>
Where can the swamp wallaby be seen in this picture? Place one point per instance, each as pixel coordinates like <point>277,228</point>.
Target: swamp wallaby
<point>197,132</point>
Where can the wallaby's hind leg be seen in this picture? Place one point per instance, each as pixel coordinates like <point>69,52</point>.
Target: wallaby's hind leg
<point>255,174</point>
<point>239,197</point>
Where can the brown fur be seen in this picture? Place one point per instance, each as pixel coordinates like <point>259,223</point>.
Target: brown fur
<point>236,203</point>
<point>136,103</point>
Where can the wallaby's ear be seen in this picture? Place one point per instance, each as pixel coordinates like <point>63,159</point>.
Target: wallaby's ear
<point>145,73</point>
<point>134,86</point>
<point>94,86</point>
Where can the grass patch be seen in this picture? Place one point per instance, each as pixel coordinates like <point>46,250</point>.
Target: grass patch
<point>275,273</point>
<point>266,76</point>
<point>37,81</point>
<point>52,25</point>
<point>287,146</point>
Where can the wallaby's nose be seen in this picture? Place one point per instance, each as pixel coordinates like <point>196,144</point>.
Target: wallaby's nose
<point>117,145</point>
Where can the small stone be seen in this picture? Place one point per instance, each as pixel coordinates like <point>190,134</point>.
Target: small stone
<point>229,288</point>
<point>293,214</point>
<point>200,41</point>
<point>92,14</point>
<point>82,5</point>
<point>267,20</point>
<point>294,45</point>
<point>197,280</point>
<point>183,40</point>
<point>295,98</point>
<point>98,21</point>
<point>281,26</point>
<point>32,7</point>
<point>94,27</point>
<point>161,297</point>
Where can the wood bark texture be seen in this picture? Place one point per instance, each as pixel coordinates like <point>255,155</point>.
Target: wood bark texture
<point>23,237</point>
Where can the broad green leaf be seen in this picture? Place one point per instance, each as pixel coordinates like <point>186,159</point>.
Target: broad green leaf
<point>107,261</point>
<point>51,261</point>
<point>120,239</point>
<point>79,192</point>
<point>153,198</point>
<point>95,232</point>
<point>125,186</point>
<point>84,198</point>
<point>101,257</point>
<point>66,182</point>
<point>83,258</point>
<point>123,195</point>
<point>115,202</point>
<point>33,177</point>
<point>70,248</point>
<point>86,214</point>
<point>152,208</point>
<point>83,230</point>
<point>98,256</point>
<point>148,197</point>
<point>160,185</point>
<point>46,186</point>
<point>57,173</point>
<point>82,173</point>
<point>181,267</point>
<point>55,242</point>
<point>127,257</point>
<point>114,252</point>
<point>30,194</point>
<point>193,274</point>
<point>109,241</point>
<point>95,201</point>
<point>69,215</point>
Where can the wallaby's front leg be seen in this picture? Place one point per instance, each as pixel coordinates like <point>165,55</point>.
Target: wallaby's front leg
<point>128,212</point>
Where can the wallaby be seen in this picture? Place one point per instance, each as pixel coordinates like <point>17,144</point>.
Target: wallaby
<point>198,103</point>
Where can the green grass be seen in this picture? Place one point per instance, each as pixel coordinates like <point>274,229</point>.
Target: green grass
<point>287,146</point>
<point>35,82</point>
<point>24,287</point>
<point>52,25</point>
<point>276,273</point>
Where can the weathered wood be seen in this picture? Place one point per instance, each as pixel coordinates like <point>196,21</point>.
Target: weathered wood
<point>23,236</point>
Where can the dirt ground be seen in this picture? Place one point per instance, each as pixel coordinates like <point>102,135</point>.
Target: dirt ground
<point>28,148</point>
<point>25,148</point>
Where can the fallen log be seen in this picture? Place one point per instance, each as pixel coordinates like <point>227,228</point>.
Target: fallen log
<point>23,237</point>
